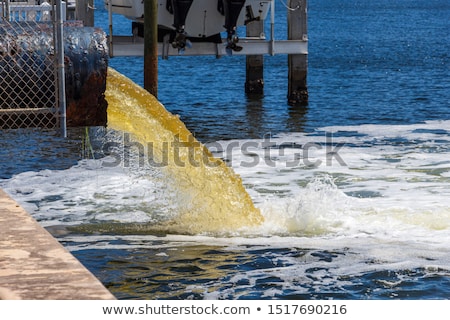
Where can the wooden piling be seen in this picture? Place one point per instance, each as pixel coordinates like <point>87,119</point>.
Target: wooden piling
<point>151,46</point>
<point>84,11</point>
<point>254,83</point>
<point>297,63</point>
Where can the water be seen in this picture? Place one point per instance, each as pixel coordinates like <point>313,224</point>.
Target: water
<point>354,187</point>
<point>204,203</point>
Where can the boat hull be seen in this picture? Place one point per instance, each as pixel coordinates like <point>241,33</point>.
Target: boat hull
<point>203,20</point>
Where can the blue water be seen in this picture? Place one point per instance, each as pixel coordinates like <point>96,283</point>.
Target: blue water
<point>384,62</point>
<point>378,78</point>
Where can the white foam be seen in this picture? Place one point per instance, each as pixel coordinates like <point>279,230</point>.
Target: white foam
<point>393,187</point>
<point>388,203</point>
<point>88,192</point>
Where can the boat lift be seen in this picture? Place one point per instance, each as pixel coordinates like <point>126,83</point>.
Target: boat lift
<point>207,20</point>
<point>133,45</point>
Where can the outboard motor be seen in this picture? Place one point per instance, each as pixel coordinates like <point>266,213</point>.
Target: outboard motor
<point>232,9</point>
<point>180,9</point>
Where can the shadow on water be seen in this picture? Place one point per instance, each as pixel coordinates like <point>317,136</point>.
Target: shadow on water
<point>258,115</point>
<point>254,114</point>
<point>297,119</point>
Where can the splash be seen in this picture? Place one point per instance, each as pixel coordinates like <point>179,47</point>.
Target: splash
<point>210,196</point>
<point>319,209</point>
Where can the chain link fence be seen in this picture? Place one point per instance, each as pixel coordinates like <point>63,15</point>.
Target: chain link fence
<point>28,86</point>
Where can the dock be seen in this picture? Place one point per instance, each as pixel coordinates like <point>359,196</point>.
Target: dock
<point>35,266</point>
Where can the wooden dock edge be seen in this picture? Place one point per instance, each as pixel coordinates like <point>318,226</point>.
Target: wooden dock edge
<point>35,266</point>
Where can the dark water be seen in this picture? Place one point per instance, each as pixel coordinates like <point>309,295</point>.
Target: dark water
<point>209,272</point>
<point>385,63</point>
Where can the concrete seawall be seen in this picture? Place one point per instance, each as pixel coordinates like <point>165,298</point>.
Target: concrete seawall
<point>34,265</point>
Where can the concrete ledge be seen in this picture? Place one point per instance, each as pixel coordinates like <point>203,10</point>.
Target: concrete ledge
<point>34,265</point>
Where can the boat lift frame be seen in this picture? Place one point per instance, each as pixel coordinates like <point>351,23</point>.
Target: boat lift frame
<point>120,45</point>
<point>254,46</point>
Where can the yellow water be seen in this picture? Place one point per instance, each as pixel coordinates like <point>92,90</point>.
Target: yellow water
<point>210,195</point>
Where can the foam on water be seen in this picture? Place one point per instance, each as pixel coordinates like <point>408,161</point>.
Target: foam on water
<point>89,192</point>
<point>270,266</point>
<point>397,182</point>
<point>388,180</point>
<point>389,202</point>
<point>337,203</point>
<point>316,240</point>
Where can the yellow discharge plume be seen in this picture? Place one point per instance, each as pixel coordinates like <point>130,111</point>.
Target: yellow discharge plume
<point>211,196</point>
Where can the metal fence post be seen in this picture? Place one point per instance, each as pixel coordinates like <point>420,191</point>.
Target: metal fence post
<point>59,47</point>
<point>6,10</point>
